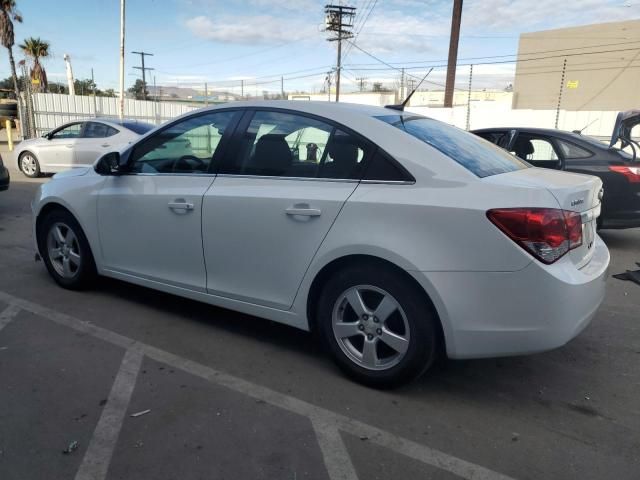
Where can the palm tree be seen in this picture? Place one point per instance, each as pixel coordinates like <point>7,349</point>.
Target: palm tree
<point>37,49</point>
<point>8,15</point>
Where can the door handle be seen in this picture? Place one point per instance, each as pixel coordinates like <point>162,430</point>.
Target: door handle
<point>180,204</point>
<point>105,145</point>
<point>69,146</point>
<point>303,210</point>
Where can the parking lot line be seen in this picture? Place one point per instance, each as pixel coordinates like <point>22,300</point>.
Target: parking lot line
<point>334,451</point>
<point>403,446</point>
<point>95,463</point>
<point>8,314</point>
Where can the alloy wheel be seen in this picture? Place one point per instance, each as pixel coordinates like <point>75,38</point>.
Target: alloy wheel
<point>370,327</point>
<point>63,250</point>
<point>28,164</point>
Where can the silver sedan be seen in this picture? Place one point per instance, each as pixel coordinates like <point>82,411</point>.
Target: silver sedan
<point>75,144</point>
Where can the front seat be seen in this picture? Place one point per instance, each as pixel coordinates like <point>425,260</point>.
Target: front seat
<point>272,157</point>
<point>523,147</point>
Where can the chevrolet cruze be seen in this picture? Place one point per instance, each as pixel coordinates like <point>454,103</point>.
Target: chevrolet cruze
<point>393,236</point>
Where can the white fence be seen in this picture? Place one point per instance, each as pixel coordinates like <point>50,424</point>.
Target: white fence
<point>53,109</point>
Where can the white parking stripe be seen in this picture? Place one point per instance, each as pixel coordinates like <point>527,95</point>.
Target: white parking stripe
<point>98,456</point>
<point>8,314</point>
<point>334,451</point>
<point>380,437</point>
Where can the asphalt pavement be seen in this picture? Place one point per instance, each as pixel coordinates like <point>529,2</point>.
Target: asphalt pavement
<point>231,396</point>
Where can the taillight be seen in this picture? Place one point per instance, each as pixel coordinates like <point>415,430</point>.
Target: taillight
<point>631,173</point>
<point>546,233</point>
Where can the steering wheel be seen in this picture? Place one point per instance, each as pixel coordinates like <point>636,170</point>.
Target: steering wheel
<point>188,163</point>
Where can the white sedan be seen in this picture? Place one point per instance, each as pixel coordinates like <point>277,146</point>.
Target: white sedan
<point>394,236</point>
<point>75,144</point>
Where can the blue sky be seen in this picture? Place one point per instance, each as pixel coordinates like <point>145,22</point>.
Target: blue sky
<point>221,42</point>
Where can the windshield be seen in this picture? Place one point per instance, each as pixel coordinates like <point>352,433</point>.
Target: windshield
<point>475,154</point>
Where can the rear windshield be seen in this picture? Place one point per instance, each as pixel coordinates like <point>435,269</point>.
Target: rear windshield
<point>475,154</point>
<point>138,127</point>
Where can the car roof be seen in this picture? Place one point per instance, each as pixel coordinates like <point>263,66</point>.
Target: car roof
<point>332,110</point>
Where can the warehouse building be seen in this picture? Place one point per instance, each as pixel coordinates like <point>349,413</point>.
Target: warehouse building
<point>602,70</point>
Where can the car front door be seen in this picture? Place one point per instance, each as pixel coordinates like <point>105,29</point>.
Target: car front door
<point>58,152</point>
<point>274,200</point>
<point>97,138</point>
<point>150,218</point>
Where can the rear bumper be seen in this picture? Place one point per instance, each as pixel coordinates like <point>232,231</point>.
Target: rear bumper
<point>491,314</point>
<point>4,178</point>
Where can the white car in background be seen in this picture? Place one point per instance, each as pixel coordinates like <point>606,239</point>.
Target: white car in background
<point>75,144</point>
<point>399,238</point>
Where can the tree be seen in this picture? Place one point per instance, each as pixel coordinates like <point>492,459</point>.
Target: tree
<point>8,15</point>
<point>139,91</point>
<point>35,48</point>
<point>109,92</point>
<point>84,87</point>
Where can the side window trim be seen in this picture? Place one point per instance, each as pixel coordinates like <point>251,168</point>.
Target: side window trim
<point>223,146</point>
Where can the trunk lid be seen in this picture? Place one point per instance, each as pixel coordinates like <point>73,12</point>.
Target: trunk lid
<point>573,191</point>
<point>625,122</point>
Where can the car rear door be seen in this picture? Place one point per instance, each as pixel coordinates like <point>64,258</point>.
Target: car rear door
<point>97,138</point>
<point>273,201</point>
<point>150,219</point>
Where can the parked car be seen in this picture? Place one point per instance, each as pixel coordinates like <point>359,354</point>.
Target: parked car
<point>75,144</point>
<point>4,176</point>
<point>405,238</point>
<point>573,152</point>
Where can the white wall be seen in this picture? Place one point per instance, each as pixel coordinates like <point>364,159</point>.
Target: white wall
<point>485,115</point>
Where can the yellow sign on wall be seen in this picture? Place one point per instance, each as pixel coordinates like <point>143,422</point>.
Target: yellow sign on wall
<point>573,83</point>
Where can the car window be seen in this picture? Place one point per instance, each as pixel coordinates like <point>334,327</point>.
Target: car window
<point>138,127</point>
<point>71,131</point>
<point>537,149</point>
<point>98,130</point>
<point>481,158</point>
<point>186,147</point>
<point>570,150</point>
<point>278,144</point>
<point>383,167</point>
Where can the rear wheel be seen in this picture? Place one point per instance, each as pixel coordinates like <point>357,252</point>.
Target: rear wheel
<point>65,251</point>
<point>29,165</point>
<point>378,326</point>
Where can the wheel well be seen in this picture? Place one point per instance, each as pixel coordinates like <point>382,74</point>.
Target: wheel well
<point>343,262</point>
<point>46,210</point>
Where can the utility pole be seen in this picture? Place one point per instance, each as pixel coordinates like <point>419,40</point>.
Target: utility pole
<point>469,98</point>
<point>328,80</point>
<point>282,87</point>
<point>564,71</point>
<point>456,18</point>
<point>144,69</point>
<point>95,104</point>
<point>339,21</point>
<point>70,84</point>
<point>402,93</point>
<point>362,82</point>
<point>121,103</point>
<point>206,95</point>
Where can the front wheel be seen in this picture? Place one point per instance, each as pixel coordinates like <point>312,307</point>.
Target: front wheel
<point>378,326</point>
<point>65,251</point>
<point>29,165</point>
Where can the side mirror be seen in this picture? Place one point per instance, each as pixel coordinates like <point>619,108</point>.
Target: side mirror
<point>47,135</point>
<point>108,164</point>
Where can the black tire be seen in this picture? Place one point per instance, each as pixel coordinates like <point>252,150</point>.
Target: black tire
<point>423,341</point>
<point>80,276</point>
<point>35,173</point>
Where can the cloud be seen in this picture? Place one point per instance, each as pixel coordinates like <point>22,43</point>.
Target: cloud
<point>247,30</point>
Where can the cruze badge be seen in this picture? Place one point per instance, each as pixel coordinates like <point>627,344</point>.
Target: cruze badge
<point>579,201</point>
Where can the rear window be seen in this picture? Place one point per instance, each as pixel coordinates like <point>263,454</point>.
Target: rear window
<point>138,127</point>
<point>476,155</point>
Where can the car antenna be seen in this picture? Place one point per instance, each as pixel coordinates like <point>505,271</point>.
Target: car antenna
<point>401,106</point>
<point>579,132</point>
